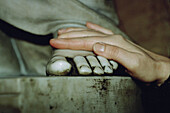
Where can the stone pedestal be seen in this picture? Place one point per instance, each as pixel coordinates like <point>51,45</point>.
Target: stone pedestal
<point>70,94</point>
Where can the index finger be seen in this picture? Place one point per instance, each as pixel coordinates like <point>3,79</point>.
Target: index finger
<point>75,43</point>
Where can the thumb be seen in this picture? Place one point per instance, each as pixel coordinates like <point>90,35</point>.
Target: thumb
<point>116,53</point>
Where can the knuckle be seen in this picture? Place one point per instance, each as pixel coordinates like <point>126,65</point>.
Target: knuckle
<point>112,52</point>
<point>119,37</point>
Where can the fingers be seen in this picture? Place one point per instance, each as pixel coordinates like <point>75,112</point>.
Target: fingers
<point>90,26</point>
<point>81,33</point>
<point>70,29</point>
<point>86,43</point>
<point>75,43</point>
<point>118,54</point>
<point>99,28</point>
<point>79,43</point>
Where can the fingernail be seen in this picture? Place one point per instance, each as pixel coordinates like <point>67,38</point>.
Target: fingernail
<point>52,41</point>
<point>99,47</point>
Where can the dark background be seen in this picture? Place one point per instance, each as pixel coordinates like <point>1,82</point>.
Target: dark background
<point>147,22</point>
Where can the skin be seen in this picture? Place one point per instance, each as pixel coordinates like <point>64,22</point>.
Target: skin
<point>140,63</point>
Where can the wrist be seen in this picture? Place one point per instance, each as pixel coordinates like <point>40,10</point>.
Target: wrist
<point>163,70</point>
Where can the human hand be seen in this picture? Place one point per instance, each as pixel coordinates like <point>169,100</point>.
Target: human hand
<point>139,62</point>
